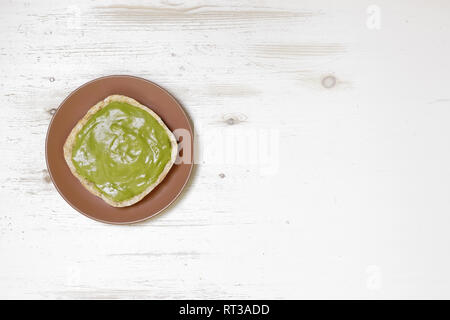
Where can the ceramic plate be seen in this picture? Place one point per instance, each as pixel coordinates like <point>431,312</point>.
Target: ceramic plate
<point>74,107</point>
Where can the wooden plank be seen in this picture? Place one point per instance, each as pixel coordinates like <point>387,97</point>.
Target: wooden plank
<point>353,205</point>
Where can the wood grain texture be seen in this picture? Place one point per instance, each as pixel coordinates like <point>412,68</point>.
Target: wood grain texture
<point>356,208</point>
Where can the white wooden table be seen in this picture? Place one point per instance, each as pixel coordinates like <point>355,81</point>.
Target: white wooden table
<point>351,201</point>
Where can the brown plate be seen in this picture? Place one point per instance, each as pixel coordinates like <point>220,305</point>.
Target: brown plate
<point>74,107</point>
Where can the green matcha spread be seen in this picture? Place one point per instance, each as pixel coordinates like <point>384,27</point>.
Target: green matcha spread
<point>122,150</point>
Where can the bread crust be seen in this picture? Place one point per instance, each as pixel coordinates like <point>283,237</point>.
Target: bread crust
<point>70,141</point>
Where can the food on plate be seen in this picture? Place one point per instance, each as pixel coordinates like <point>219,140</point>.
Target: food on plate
<point>120,150</point>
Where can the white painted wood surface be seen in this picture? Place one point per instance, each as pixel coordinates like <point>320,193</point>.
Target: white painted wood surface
<point>359,205</point>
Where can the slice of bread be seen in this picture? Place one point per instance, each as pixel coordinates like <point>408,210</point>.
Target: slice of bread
<point>70,141</point>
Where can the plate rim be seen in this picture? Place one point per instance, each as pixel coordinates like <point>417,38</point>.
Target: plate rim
<point>133,221</point>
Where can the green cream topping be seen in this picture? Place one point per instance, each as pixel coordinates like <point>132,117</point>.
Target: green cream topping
<point>122,150</point>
